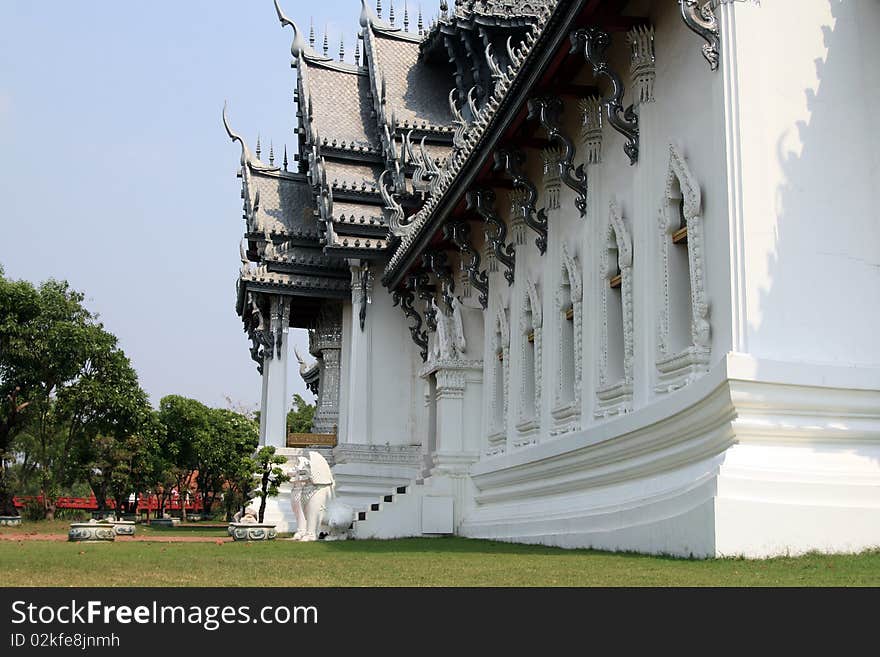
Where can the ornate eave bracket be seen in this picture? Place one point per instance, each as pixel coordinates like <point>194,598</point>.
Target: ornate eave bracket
<point>420,284</point>
<point>482,201</point>
<point>362,288</point>
<point>459,233</point>
<point>511,161</point>
<point>260,334</point>
<point>405,299</point>
<point>593,42</point>
<point>700,19</point>
<point>436,262</point>
<point>547,111</point>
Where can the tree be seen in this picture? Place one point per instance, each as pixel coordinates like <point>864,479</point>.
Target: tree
<point>187,425</point>
<point>265,466</point>
<point>118,466</point>
<point>62,380</point>
<point>221,451</point>
<point>300,417</point>
<point>19,310</point>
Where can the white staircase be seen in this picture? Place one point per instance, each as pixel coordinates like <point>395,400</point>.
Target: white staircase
<point>409,510</point>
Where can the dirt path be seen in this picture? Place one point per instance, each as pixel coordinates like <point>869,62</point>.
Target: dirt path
<point>122,539</point>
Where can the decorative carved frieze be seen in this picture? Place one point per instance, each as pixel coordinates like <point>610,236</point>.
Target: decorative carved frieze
<point>482,201</point>
<point>593,42</point>
<point>325,344</point>
<point>643,69</point>
<point>516,217</point>
<point>547,111</point>
<point>552,184</point>
<point>591,128</point>
<point>405,299</point>
<point>459,233</point>
<point>512,160</point>
<point>700,19</point>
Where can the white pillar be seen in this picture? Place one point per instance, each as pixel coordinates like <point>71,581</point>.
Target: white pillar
<point>273,414</point>
<point>358,417</point>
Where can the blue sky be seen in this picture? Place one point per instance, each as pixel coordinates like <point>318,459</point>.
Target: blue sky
<point>116,173</point>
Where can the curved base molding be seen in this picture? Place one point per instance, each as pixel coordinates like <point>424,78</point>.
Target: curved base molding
<point>756,459</point>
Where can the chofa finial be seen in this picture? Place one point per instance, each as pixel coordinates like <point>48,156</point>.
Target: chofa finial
<point>234,136</point>
<point>368,16</point>
<point>297,46</point>
<point>246,158</point>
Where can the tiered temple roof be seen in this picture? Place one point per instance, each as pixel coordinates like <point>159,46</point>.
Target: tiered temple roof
<point>388,144</point>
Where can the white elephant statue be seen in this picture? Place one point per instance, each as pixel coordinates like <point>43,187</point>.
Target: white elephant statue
<point>313,503</point>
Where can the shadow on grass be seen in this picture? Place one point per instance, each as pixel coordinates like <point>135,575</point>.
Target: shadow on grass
<point>459,545</point>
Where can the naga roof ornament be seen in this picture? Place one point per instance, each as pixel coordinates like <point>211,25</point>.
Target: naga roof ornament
<point>298,46</point>
<point>246,158</point>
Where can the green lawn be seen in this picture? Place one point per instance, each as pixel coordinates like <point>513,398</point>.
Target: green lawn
<point>409,562</point>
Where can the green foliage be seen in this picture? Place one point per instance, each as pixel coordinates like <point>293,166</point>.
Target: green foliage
<point>265,466</point>
<point>221,452</point>
<point>63,382</point>
<point>300,417</point>
<point>187,425</point>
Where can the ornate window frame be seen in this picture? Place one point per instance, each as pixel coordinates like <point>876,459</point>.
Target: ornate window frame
<point>530,302</point>
<point>567,413</point>
<point>675,370</point>
<point>615,397</point>
<point>497,438</point>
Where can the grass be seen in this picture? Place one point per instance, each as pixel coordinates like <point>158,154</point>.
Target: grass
<point>408,562</point>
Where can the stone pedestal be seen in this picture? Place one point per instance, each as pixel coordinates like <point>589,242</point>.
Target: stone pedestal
<point>123,527</point>
<point>242,531</point>
<point>457,400</point>
<point>91,531</point>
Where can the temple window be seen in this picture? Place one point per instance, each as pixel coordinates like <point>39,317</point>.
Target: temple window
<point>614,394</point>
<point>527,397</point>
<point>683,335</point>
<point>569,310</point>
<point>680,307</point>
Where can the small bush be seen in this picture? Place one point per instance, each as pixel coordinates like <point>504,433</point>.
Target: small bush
<point>33,510</point>
<point>73,515</point>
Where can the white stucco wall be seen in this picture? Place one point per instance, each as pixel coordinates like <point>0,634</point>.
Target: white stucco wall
<point>808,98</point>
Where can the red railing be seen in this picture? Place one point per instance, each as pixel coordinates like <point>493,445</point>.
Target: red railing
<point>144,503</point>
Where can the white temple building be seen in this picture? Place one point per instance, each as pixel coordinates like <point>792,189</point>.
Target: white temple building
<point>586,273</point>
